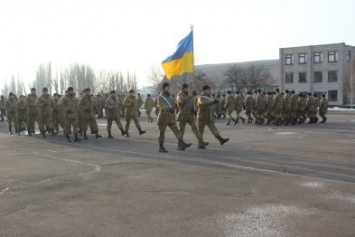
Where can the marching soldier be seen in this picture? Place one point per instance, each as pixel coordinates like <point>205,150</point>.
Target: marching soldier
<point>287,107</point>
<point>148,106</point>
<point>239,105</point>
<point>186,114</point>
<point>294,100</point>
<point>269,100</point>
<point>323,108</point>
<point>11,112</point>
<point>2,107</point>
<point>139,103</point>
<point>45,105</point>
<point>130,105</point>
<point>32,111</point>
<point>87,107</point>
<point>229,107</point>
<point>21,115</point>
<point>249,104</point>
<point>166,118</point>
<point>205,116</point>
<point>69,108</point>
<point>277,106</point>
<point>56,112</point>
<point>112,107</point>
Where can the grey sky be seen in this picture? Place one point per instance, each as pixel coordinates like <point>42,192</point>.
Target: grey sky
<point>138,34</point>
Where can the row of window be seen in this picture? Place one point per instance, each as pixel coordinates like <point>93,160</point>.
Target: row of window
<point>317,77</point>
<point>317,57</point>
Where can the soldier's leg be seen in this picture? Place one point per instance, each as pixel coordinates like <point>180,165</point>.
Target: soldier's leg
<point>162,128</point>
<point>68,124</point>
<point>195,131</point>
<point>119,125</point>
<point>182,126</point>
<point>109,123</point>
<point>136,122</point>
<point>128,121</point>
<point>174,128</point>
<point>201,128</point>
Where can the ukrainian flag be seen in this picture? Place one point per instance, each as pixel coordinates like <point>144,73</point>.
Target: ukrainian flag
<point>182,60</point>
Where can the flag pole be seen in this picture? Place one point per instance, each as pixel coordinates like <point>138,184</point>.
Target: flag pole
<point>193,55</point>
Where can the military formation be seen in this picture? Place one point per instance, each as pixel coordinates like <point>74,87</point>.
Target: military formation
<point>77,115</point>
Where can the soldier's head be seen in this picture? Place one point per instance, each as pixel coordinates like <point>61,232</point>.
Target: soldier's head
<point>323,95</point>
<point>70,90</point>
<point>258,91</point>
<point>138,94</point>
<point>185,88</point>
<point>55,96</point>
<point>22,97</point>
<point>11,96</point>
<point>286,91</point>
<point>165,87</point>
<point>293,92</point>
<point>229,92</point>
<point>33,91</point>
<point>277,90</point>
<point>314,95</point>
<point>45,91</point>
<point>249,93</point>
<point>148,95</point>
<point>194,93</point>
<point>113,93</point>
<point>87,91</point>
<point>206,89</point>
<point>309,94</point>
<point>131,93</point>
<point>238,92</point>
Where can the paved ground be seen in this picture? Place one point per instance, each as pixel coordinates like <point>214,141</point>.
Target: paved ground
<point>267,181</point>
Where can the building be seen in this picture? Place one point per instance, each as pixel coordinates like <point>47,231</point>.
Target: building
<point>320,69</point>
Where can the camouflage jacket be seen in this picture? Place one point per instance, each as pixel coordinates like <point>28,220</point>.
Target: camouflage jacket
<point>249,103</point>
<point>277,102</point>
<point>45,104</point>
<point>130,106</point>
<point>31,102</point>
<point>21,108</point>
<point>186,106</point>
<point>69,106</point>
<point>239,103</point>
<point>323,107</point>
<point>112,107</point>
<point>87,106</point>
<point>229,105</point>
<point>11,107</point>
<point>148,104</point>
<point>166,109</point>
<point>205,111</point>
<point>287,102</point>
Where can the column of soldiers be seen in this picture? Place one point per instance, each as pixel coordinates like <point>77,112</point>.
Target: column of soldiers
<point>77,114</point>
<point>273,107</point>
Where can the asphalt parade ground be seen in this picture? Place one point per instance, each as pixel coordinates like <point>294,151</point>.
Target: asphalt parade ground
<point>266,181</point>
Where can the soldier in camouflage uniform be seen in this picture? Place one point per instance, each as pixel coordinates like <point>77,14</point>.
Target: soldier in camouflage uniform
<point>277,106</point>
<point>229,107</point>
<point>239,105</point>
<point>287,107</point>
<point>130,105</point>
<point>294,109</point>
<point>11,111</point>
<point>268,111</point>
<point>148,106</point>
<point>69,108</point>
<point>260,106</point>
<point>87,106</point>
<point>205,116</point>
<point>56,113</point>
<point>186,114</point>
<point>166,118</point>
<point>249,104</point>
<point>311,108</point>
<point>139,103</point>
<point>100,105</point>
<point>112,107</point>
<point>300,108</point>
<point>45,104</point>
<point>32,111</point>
<point>2,107</point>
<point>323,108</point>
<point>21,115</point>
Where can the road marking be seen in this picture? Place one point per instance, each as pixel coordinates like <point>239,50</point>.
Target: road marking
<point>286,133</point>
<point>346,141</point>
<point>62,150</point>
<point>312,185</point>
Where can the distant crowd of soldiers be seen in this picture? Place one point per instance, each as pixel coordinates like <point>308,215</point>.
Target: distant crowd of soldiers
<point>276,108</point>
<point>76,115</point>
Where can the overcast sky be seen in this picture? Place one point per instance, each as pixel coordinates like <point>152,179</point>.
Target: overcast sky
<point>136,35</point>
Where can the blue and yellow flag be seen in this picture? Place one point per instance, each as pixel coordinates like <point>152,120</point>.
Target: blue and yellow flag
<point>182,60</point>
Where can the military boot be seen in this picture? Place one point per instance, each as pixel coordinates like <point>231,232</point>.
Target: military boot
<point>316,119</point>
<point>122,131</point>
<point>68,138</point>
<point>43,134</point>
<point>236,121</point>
<point>109,134</point>
<point>10,131</point>
<point>286,121</point>
<point>182,145</point>
<point>97,135</point>
<point>76,139</point>
<point>324,119</point>
<point>201,146</point>
<point>228,123</point>
<point>222,140</point>
<point>141,132</point>
<point>243,119</point>
<point>162,148</point>
<point>127,134</point>
<point>85,136</point>
<point>53,132</point>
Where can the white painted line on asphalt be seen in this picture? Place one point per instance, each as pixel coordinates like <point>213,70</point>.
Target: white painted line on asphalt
<point>312,185</point>
<point>286,133</point>
<point>62,150</point>
<point>346,141</point>
<point>4,190</point>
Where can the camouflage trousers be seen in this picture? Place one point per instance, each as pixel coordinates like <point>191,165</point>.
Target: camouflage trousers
<point>31,118</point>
<point>45,122</point>
<point>230,116</point>
<point>322,114</point>
<point>89,121</point>
<point>190,121</point>
<point>248,113</point>
<point>21,122</point>
<point>70,122</point>
<point>174,128</point>
<point>148,112</point>
<point>201,124</point>
<point>239,111</point>
<point>117,121</point>
<point>56,121</point>
<point>128,122</point>
<point>11,119</point>
<point>276,113</point>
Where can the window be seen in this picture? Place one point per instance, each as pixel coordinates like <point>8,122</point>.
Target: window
<point>348,55</point>
<point>302,77</point>
<point>317,57</point>
<point>333,56</point>
<point>318,77</point>
<point>302,58</point>
<point>289,78</point>
<point>333,95</point>
<point>332,76</point>
<point>289,59</point>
